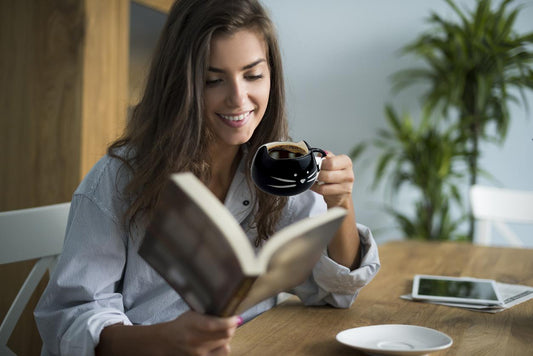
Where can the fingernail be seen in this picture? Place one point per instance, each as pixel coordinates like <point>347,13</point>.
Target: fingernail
<point>239,320</point>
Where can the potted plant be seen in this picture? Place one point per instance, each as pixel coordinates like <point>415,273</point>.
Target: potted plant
<point>427,159</point>
<point>473,67</point>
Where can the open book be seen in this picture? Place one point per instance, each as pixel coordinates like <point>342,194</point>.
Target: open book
<point>199,248</point>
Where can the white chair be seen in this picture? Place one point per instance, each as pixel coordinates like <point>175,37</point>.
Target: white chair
<point>497,206</point>
<point>35,233</point>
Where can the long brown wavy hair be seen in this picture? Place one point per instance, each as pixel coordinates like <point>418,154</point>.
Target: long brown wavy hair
<point>167,131</point>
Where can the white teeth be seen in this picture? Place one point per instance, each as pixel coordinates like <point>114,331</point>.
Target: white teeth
<point>236,118</point>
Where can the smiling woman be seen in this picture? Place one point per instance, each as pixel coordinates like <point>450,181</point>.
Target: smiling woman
<point>214,94</point>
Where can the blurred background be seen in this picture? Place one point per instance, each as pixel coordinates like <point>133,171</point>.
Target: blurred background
<point>339,59</point>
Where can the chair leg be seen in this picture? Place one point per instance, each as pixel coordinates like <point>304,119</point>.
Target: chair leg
<point>4,351</point>
<point>483,235</point>
<point>508,234</point>
<point>21,300</point>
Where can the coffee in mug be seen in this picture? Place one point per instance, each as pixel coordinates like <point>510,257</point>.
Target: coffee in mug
<point>286,151</point>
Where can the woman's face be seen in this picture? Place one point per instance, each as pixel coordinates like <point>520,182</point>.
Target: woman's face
<point>237,86</point>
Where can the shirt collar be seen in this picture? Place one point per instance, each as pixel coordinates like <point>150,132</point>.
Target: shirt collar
<point>239,200</point>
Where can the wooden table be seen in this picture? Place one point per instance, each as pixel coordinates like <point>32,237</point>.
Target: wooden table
<point>293,329</point>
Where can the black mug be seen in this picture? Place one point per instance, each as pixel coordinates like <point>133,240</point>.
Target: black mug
<point>286,168</point>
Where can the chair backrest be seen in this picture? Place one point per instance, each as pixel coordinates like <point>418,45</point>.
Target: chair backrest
<point>35,233</point>
<point>494,207</point>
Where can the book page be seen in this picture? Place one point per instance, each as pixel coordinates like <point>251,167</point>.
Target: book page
<point>212,209</point>
<point>291,260</point>
<point>191,253</point>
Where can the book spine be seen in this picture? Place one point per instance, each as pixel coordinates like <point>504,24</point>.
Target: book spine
<point>238,297</point>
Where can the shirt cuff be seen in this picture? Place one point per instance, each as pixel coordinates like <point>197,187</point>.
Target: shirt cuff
<point>83,335</point>
<point>338,279</point>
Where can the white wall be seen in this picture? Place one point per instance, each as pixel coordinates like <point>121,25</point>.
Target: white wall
<point>338,57</point>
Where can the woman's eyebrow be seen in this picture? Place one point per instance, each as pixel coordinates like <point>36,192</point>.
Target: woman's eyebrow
<point>246,67</point>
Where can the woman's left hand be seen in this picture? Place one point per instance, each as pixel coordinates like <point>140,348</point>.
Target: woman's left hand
<point>335,180</point>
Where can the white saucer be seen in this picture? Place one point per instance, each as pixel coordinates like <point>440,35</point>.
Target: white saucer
<point>391,339</point>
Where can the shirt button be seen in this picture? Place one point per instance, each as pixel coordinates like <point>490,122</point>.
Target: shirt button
<point>246,203</point>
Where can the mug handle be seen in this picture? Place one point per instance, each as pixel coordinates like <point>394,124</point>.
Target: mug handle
<point>318,159</point>
<point>319,150</point>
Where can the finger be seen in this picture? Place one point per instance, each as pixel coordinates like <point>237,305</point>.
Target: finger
<point>333,163</point>
<point>336,177</point>
<point>220,334</point>
<point>221,351</point>
<point>215,347</point>
<point>211,340</point>
<point>328,190</point>
<point>212,324</point>
<point>213,335</point>
<point>203,328</point>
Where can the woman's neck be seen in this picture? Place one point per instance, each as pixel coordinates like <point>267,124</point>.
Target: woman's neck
<point>224,163</point>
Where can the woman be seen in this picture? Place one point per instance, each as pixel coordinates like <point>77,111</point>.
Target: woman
<point>213,96</point>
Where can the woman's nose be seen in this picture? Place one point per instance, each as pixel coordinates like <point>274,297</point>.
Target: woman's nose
<point>237,94</point>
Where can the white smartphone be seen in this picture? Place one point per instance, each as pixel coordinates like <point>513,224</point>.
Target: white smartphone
<point>456,289</point>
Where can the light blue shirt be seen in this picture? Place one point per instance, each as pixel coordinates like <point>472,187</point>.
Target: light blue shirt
<point>100,279</point>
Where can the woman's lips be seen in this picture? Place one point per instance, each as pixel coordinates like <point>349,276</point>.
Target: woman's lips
<point>237,120</point>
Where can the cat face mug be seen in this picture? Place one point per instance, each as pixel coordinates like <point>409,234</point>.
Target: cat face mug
<point>286,168</point>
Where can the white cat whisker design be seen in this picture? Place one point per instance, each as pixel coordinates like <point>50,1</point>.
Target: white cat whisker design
<point>284,180</point>
<point>312,177</point>
<point>282,186</point>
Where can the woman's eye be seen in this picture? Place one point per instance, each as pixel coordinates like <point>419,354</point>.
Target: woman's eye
<point>211,82</point>
<point>254,77</point>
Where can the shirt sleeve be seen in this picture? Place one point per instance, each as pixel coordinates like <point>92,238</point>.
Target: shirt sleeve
<point>334,284</point>
<point>330,282</point>
<point>81,297</point>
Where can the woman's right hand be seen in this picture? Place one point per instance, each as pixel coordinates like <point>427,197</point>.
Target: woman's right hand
<point>191,333</point>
